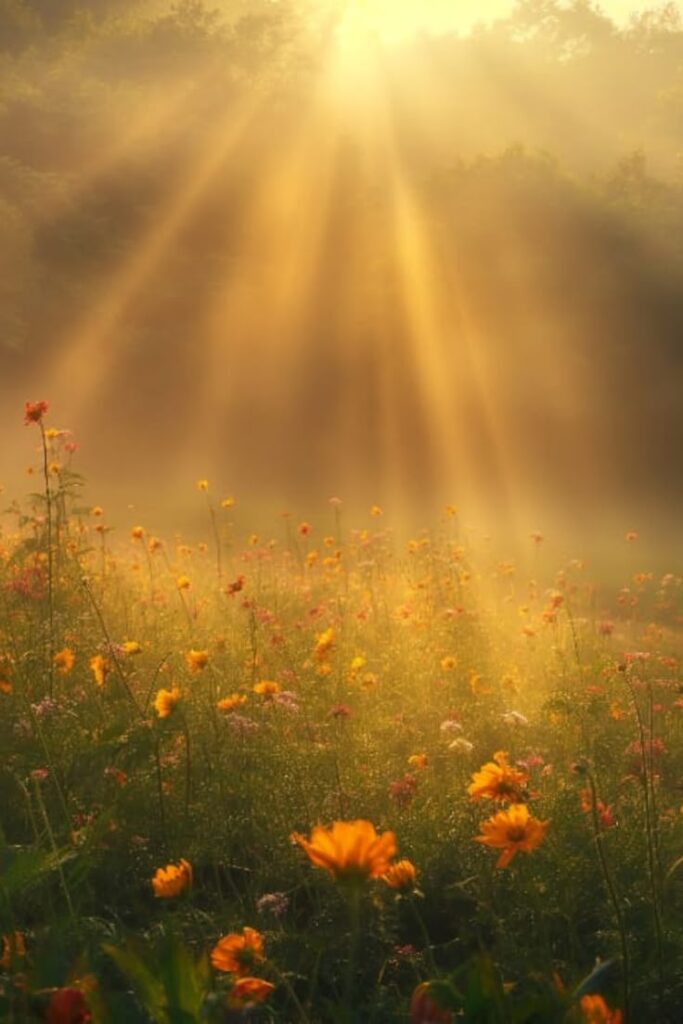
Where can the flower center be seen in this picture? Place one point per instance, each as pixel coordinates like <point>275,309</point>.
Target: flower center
<point>516,833</point>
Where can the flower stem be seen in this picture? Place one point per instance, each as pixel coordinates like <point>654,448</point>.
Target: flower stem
<point>609,882</point>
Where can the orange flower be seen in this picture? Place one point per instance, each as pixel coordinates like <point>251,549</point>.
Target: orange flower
<point>137,533</point>
<point>418,760</point>
<point>596,1011</point>
<point>401,875</point>
<point>197,660</point>
<point>13,949</point>
<point>64,661</point>
<point>166,701</point>
<point>172,880</point>
<point>100,669</point>
<point>349,850</point>
<point>238,954</point>
<point>512,830</point>
<point>68,1006</point>
<point>235,700</point>
<point>131,647</point>
<point>266,688</point>
<point>605,813</point>
<point>423,1009</point>
<point>496,780</point>
<point>247,991</point>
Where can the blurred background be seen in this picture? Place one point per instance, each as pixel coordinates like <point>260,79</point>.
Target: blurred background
<point>405,253</point>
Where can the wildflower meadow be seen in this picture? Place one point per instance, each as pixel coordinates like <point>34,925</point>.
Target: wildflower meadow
<point>329,775</point>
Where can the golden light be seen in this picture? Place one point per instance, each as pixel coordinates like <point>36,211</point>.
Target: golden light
<point>336,290</point>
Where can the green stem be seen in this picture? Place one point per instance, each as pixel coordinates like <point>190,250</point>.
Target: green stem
<point>599,844</point>
<point>55,850</point>
<point>50,582</point>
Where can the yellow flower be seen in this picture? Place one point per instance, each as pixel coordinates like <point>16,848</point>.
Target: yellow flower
<point>247,991</point>
<point>496,780</point>
<point>418,760</point>
<point>375,511</point>
<point>183,583</point>
<point>137,533</point>
<point>202,485</point>
<point>235,700</point>
<point>166,701</point>
<point>197,660</point>
<point>238,954</point>
<point>64,661</point>
<point>266,688</point>
<point>131,647</point>
<point>100,669</point>
<point>324,643</point>
<point>448,663</point>
<point>97,510</point>
<point>349,850</point>
<point>172,880</point>
<point>401,875</point>
<point>13,949</point>
<point>227,502</point>
<point>512,830</point>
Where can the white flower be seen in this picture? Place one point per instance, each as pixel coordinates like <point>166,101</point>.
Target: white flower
<point>461,746</point>
<point>515,718</point>
<point>450,725</point>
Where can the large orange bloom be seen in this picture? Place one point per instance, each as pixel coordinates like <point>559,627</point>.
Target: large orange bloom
<point>172,880</point>
<point>496,780</point>
<point>401,875</point>
<point>596,1011</point>
<point>247,991</point>
<point>512,830</point>
<point>237,954</point>
<point>349,849</point>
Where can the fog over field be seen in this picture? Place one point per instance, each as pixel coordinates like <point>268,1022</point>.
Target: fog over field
<point>408,253</point>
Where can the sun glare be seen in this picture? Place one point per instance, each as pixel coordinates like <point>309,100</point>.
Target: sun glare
<point>392,21</point>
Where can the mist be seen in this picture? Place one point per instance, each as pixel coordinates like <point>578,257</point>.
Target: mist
<point>245,243</point>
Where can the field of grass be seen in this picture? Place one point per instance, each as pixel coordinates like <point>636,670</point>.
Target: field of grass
<point>243,758</point>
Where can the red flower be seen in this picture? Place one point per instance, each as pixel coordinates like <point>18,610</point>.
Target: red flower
<point>34,412</point>
<point>68,1006</point>
<point>423,1009</point>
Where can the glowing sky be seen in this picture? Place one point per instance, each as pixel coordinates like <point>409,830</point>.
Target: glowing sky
<point>396,19</point>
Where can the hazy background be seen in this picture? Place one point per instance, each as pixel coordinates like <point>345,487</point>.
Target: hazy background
<point>302,249</point>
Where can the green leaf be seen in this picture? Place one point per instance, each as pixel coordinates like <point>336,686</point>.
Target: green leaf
<point>147,986</point>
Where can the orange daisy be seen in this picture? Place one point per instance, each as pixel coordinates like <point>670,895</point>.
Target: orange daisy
<point>238,954</point>
<point>497,780</point>
<point>511,831</point>
<point>349,849</point>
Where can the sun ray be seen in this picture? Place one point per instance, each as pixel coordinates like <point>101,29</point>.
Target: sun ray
<point>92,352</point>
